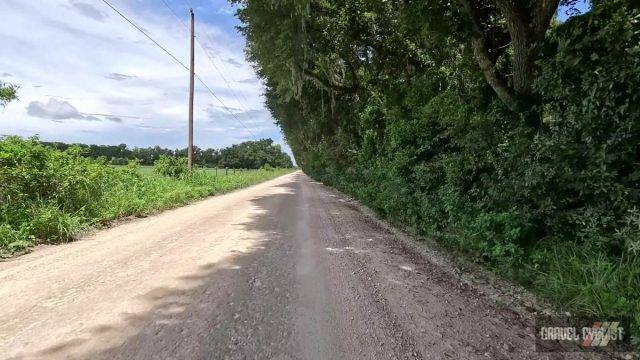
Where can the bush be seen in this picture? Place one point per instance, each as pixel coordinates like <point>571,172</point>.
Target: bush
<point>172,166</point>
<point>53,224</point>
<point>12,241</point>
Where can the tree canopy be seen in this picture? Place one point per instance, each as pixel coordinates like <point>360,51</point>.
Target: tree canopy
<point>254,155</point>
<point>487,124</point>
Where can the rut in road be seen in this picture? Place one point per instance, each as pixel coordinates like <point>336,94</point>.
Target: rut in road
<point>287,269</point>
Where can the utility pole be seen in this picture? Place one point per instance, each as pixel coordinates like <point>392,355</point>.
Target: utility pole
<point>191,79</point>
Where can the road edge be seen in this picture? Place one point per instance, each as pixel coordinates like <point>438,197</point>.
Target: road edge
<point>131,219</point>
<point>501,291</point>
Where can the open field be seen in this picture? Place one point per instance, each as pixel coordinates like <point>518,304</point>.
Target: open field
<point>51,196</point>
<point>148,170</point>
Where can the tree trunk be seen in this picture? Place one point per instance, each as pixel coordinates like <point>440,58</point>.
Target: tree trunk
<point>481,54</point>
<point>526,24</point>
<point>518,25</point>
<point>494,79</point>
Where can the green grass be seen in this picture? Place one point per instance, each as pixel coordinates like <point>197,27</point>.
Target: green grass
<point>50,196</point>
<point>148,170</point>
<point>576,276</point>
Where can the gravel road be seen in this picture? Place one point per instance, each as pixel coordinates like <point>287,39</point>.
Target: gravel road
<point>287,269</point>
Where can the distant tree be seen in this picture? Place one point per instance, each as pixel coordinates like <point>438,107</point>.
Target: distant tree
<point>254,155</point>
<point>148,156</point>
<point>247,155</point>
<point>208,157</point>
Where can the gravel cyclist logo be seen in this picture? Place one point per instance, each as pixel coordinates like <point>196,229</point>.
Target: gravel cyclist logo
<point>566,334</point>
<point>601,333</point>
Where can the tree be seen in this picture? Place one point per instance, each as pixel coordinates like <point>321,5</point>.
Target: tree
<point>8,93</point>
<point>508,30</point>
<point>254,155</point>
<point>401,104</point>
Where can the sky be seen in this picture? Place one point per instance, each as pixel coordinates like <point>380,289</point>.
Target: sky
<point>580,7</point>
<point>88,76</point>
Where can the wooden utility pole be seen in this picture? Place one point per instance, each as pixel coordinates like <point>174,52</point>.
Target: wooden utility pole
<point>191,79</point>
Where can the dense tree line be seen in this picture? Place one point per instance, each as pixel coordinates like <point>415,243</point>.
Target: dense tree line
<point>247,155</point>
<point>489,125</point>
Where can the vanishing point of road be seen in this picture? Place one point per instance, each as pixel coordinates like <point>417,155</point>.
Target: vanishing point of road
<point>286,269</point>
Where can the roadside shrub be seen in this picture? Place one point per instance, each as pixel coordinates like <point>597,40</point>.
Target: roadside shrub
<point>12,240</point>
<point>50,196</point>
<point>172,166</point>
<point>51,223</point>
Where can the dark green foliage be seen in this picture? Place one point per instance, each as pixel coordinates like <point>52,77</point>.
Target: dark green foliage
<point>254,155</point>
<point>385,101</point>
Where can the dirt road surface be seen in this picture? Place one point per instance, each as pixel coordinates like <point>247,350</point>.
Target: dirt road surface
<point>287,269</point>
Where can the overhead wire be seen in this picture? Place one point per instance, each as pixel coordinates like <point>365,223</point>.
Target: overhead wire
<point>220,72</point>
<point>242,106</point>
<point>147,35</point>
<point>178,61</point>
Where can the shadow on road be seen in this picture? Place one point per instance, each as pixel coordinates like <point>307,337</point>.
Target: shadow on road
<point>213,308</point>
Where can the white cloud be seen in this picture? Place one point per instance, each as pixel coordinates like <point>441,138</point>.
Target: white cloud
<point>78,60</point>
<point>55,110</point>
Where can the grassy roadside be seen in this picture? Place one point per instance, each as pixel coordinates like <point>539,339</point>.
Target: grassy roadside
<point>50,196</point>
<point>576,278</point>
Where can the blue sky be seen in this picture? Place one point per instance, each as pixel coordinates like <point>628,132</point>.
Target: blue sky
<point>581,6</point>
<point>87,76</point>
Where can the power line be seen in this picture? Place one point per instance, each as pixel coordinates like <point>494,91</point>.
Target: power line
<point>111,115</point>
<point>179,62</point>
<point>221,73</point>
<point>174,13</point>
<point>208,37</point>
<point>145,34</point>
<point>204,49</point>
<point>223,105</point>
<point>188,3</point>
<point>217,69</point>
<point>221,63</point>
